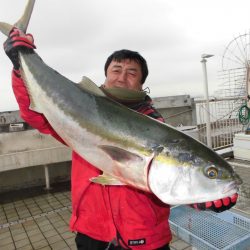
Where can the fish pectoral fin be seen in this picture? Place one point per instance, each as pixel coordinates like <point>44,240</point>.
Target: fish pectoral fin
<point>121,155</point>
<point>87,84</point>
<point>33,106</point>
<point>105,179</point>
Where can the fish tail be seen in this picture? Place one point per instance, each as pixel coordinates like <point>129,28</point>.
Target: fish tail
<point>22,23</point>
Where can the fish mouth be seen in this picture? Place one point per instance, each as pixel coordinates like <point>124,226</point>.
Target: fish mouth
<point>231,186</point>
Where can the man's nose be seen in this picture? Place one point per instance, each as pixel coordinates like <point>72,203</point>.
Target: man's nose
<point>122,76</point>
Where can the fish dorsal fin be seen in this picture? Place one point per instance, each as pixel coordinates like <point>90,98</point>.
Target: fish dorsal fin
<point>106,179</point>
<point>87,84</point>
<point>121,155</point>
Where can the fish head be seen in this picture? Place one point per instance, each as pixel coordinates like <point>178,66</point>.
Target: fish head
<point>187,176</point>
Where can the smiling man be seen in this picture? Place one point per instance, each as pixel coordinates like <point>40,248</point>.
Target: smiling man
<point>125,73</point>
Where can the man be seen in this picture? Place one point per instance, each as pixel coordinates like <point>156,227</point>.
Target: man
<point>131,218</point>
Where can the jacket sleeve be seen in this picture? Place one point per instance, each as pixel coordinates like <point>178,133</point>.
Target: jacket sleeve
<point>34,119</point>
<point>147,109</point>
<point>152,112</point>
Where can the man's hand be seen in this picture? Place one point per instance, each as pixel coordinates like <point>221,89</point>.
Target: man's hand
<point>16,41</point>
<point>217,206</point>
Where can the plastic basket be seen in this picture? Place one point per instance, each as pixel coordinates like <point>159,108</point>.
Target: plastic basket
<point>207,230</point>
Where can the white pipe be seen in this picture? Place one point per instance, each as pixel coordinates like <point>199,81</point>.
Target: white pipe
<point>207,113</point>
<point>46,172</point>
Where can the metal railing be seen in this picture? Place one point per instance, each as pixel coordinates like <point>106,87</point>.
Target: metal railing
<point>224,120</point>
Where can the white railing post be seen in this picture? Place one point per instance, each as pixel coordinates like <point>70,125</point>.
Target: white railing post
<point>208,125</point>
<point>47,179</point>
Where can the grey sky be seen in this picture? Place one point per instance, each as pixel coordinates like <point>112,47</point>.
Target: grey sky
<point>75,37</point>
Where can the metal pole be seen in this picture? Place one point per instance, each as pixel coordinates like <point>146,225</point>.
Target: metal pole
<point>207,113</point>
<point>46,172</point>
<point>248,87</point>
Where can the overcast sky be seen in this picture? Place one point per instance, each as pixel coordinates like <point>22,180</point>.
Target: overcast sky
<point>76,36</point>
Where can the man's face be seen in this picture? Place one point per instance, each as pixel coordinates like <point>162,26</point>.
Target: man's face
<point>124,74</point>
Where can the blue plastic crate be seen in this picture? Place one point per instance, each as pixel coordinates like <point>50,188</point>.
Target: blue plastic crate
<point>211,231</point>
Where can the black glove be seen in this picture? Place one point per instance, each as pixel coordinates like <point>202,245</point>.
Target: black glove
<point>217,206</point>
<point>15,42</point>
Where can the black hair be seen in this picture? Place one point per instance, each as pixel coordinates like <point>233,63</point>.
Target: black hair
<point>124,54</point>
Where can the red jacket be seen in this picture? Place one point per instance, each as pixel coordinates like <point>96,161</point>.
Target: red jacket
<point>139,220</point>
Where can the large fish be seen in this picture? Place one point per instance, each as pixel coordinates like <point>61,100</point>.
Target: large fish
<point>130,148</point>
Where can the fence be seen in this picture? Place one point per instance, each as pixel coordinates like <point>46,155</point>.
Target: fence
<point>224,120</point>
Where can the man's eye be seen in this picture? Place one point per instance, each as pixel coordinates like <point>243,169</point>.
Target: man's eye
<point>132,73</point>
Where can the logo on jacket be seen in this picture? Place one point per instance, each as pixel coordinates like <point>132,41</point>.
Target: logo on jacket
<point>136,242</point>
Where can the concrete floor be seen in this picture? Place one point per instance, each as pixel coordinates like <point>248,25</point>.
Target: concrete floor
<point>41,222</point>
<point>37,219</point>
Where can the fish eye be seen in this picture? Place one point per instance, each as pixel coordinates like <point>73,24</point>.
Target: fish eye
<point>212,173</point>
